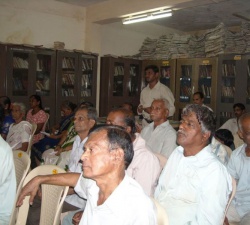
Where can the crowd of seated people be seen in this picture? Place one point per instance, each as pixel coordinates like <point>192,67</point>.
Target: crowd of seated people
<point>188,172</point>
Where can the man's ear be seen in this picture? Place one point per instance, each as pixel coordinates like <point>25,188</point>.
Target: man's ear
<point>92,123</point>
<point>240,134</point>
<point>117,156</point>
<point>206,136</point>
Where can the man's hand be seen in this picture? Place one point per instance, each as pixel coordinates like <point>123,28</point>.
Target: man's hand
<point>31,189</point>
<point>77,217</point>
<point>58,150</point>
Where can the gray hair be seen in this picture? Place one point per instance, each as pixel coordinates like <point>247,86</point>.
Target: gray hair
<point>205,117</point>
<point>21,105</point>
<point>91,111</point>
<point>165,102</point>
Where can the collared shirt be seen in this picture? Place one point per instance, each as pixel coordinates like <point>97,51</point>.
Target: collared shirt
<point>239,168</point>
<point>75,166</point>
<point>7,182</point>
<point>19,134</point>
<point>127,205</point>
<point>195,189</point>
<point>231,125</point>
<point>145,167</point>
<point>220,151</point>
<point>161,139</point>
<point>157,92</point>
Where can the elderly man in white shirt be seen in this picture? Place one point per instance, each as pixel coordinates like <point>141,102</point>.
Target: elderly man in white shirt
<point>238,167</point>
<point>112,196</point>
<point>194,186</point>
<point>154,90</point>
<point>159,135</point>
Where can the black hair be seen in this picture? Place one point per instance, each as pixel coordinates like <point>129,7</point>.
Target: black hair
<point>38,98</point>
<point>239,105</point>
<point>118,138</point>
<point>89,104</point>
<point>200,94</point>
<point>5,100</point>
<point>152,67</point>
<point>69,105</point>
<point>226,136</point>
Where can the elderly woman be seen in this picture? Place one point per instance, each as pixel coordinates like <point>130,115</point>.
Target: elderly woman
<point>19,132</point>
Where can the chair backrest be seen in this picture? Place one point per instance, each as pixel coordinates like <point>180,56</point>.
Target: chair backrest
<point>234,186</point>
<point>33,130</point>
<point>22,165</point>
<point>46,125</point>
<point>161,215</point>
<point>52,198</point>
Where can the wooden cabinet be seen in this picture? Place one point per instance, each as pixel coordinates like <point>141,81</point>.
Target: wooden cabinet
<point>76,78</point>
<point>120,82</point>
<point>233,85</point>
<point>194,75</point>
<point>31,71</point>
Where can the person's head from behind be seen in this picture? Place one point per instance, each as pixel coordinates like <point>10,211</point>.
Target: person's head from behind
<point>18,111</point>
<point>128,106</point>
<point>225,136</point>
<point>239,109</point>
<point>5,101</point>
<point>84,119</point>
<point>35,102</point>
<point>198,98</point>
<point>196,127</point>
<point>87,104</point>
<point>124,118</point>
<point>152,73</point>
<point>67,108</point>
<point>159,110</point>
<point>108,150</point>
<point>244,128</point>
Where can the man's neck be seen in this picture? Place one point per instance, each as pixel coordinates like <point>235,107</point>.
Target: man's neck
<point>108,185</point>
<point>193,150</point>
<point>247,151</point>
<point>152,84</point>
<point>157,123</point>
<point>83,135</point>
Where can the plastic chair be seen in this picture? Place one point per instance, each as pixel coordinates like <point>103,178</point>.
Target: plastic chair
<point>22,165</point>
<point>234,186</point>
<point>33,130</point>
<point>161,215</point>
<point>52,198</point>
<point>46,125</point>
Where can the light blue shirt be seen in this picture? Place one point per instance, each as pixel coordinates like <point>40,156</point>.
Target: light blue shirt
<point>239,167</point>
<point>195,189</point>
<point>7,182</point>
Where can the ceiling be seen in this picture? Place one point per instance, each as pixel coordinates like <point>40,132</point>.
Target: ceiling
<point>190,15</point>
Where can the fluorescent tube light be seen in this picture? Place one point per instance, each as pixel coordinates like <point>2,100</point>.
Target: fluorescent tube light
<point>146,17</point>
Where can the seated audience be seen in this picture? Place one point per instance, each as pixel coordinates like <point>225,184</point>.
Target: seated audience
<point>84,120</point>
<point>232,124</point>
<point>198,98</point>
<point>8,120</point>
<point>145,167</point>
<point>112,196</point>
<point>19,132</point>
<point>159,135</point>
<point>38,116</point>
<point>194,187</point>
<point>238,167</point>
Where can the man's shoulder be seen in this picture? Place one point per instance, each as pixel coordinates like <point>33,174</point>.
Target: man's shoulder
<point>238,151</point>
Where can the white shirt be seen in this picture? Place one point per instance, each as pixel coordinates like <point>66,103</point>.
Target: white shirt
<point>75,166</point>
<point>239,167</point>
<point>127,205</point>
<point>145,167</point>
<point>231,125</point>
<point>195,189</point>
<point>161,139</point>
<point>7,182</point>
<point>159,91</point>
<point>18,134</point>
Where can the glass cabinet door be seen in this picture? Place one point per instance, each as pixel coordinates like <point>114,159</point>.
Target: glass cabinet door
<point>133,82</point>
<point>43,75</point>
<point>165,75</point>
<point>248,82</point>
<point>68,77</point>
<point>20,74</point>
<point>186,83</point>
<point>205,82</point>
<point>228,81</point>
<point>86,76</point>
<point>118,79</point>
